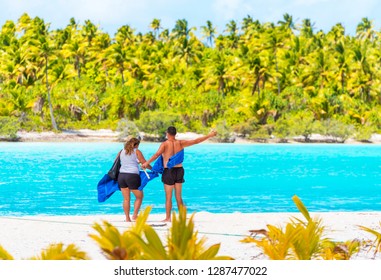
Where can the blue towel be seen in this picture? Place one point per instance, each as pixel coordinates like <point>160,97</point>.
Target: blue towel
<point>144,179</point>
<point>158,167</point>
<point>107,186</point>
<point>176,159</point>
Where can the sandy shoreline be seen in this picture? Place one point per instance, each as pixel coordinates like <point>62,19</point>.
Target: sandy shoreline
<point>25,237</point>
<point>107,135</point>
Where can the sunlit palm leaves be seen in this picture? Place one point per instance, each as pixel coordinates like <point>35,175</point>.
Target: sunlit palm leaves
<point>301,239</point>
<point>141,241</point>
<point>59,252</point>
<point>377,235</point>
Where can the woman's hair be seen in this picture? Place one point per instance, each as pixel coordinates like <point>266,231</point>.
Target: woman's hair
<point>130,145</point>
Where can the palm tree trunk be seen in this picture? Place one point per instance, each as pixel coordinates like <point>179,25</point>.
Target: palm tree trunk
<point>121,69</point>
<point>54,124</point>
<point>221,85</point>
<point>78,67</point>
<point>277,70</point>
<point>256,85</point>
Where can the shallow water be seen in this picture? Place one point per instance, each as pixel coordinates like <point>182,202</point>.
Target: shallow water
<point>61,178</point>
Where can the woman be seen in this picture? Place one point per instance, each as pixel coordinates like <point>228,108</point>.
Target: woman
<point>129,178</point>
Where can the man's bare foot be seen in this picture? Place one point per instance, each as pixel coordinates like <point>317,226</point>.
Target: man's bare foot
<point>134,218</point>
<point>166,221</point>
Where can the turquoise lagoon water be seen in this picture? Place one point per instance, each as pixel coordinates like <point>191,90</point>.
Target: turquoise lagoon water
<point>61,178</point>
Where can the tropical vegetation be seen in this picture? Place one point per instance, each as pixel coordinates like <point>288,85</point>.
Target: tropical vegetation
<point>302,240</point>
<point>256,79</point>
<point>142,242</point>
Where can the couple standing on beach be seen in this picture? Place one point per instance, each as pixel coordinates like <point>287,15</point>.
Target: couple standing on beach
<point>172,178</point>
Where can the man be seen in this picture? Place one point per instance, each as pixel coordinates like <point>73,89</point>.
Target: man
<point>173,178</point>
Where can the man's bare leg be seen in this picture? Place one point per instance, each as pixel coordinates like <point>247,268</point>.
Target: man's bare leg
<point>168,202</point>
<point>178,194</point>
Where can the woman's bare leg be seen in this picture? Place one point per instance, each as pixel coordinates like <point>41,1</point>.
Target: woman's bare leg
<point>138,202</point>
<point>126,202</point>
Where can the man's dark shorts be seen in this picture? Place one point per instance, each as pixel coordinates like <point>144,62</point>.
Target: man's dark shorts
<point>129,180</point>
<point>173,175</point>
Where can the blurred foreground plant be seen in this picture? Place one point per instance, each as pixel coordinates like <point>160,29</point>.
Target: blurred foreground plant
<point>4,255</point>
<point>377,242</point>
<point>301,240</point>
<point>58,252</point>
<point>142,242</point>
<point>52,252</point>
<point>120,246</point>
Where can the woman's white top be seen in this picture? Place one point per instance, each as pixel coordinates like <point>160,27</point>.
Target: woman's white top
<point>129,163</point>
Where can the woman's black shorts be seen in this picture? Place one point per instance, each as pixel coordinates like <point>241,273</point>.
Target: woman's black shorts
<point>129,180</point>
<point>173,175</point>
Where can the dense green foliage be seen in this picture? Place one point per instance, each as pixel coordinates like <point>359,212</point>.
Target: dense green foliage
<point>8,128</point>
<point>257,80</point>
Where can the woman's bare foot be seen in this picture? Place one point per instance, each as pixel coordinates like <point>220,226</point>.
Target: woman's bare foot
<point>134,218</point>
<point>166,220</point>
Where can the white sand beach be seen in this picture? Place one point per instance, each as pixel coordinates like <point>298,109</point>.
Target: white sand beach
<point>25,237</point>
<point>108,135</point>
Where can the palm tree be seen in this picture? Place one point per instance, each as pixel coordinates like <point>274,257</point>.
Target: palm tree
<point>181,29</point>
<point>118,56</point>
<point>232,30</point>
<point>188,49</point>
<point>156,26</point>
<point>275,42</point>
<point>44,50</point>
<point>209,32</point>
<point>362,74</point>
<point>76,48</point>
<point>337,32</point>
<point>247,22</point>
<point>185,44</point>
<point>306,29</point>
<point>220,71</point>
<point>287,22</point>
<point>89,31</point>
<point>365,30</point>
<point>125,35</point>
<point>100,43</point>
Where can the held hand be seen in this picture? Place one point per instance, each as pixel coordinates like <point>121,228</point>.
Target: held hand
<point>144,165</point>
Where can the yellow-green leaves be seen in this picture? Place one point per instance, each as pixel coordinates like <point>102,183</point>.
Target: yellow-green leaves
<point>4,255</point>
<point>141,241</point>
<point>377,241</point>
<point>299,204</point>
<point>59,252</point>
<point>301,240</point>
<point>53,252</point>
<point>120,246</point>
<point>183,242</point>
